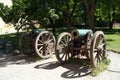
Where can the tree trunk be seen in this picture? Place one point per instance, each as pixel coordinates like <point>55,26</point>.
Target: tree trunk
<point>90,19</point>
<point>69,17</point>
<point>68,23</point>
<point>112,22</point>
<point>89,11</point>
<point>110,25</point>
<point>53,26</point>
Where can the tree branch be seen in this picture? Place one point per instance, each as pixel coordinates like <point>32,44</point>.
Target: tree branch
<point>74,7</point>
<point>85,4</point>
<point>93,5</point>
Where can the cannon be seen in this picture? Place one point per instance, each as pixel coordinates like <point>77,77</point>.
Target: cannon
<point>83,44</point>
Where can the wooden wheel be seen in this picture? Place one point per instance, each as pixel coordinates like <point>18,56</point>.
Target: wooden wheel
<point>26,45</point>
<point>62,47</point>
<point>45,44</point>
<point>98,48</point>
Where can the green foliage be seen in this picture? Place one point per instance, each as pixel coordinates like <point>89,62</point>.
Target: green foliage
<point>62,12</point>
<point>4,12</point>
<point>53,15</point>
<point>41,10</point>
<point>101,67</point>
<point>10,37</point>
<point>107,11</point>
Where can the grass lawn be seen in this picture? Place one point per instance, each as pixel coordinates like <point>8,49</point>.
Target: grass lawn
<point>112,39</point>
<point>10,37</point>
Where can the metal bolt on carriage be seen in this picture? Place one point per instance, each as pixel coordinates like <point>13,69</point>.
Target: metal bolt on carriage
<point>83,44</point>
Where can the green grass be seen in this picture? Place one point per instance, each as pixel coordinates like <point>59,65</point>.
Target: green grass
<point>101,67</point>
<point>113,42</point>
<point>112,39</point>
<point>10,37</point>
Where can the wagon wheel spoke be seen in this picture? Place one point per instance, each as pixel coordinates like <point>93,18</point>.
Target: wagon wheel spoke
<point>25,44</point>
<point>40,48</point>
<point>50,40</point>
<point>49,37</point>
<point>98,58</point>
<point>98,48</point>
<point>64,38</point>
<point>101,45</point>
<point>47,41</point>
<point>63,53</point>
<point>40,41</point>
<point>62,56</point>
<point>63,42</point>
<point>39,44</point>
<point>47,51</point>
<point>67,38</point>
<point>95,50</point>
<point>101,41</point>
<point>101,56</point>
<point>67,56</point>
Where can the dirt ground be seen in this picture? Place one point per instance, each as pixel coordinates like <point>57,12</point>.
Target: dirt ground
<point>27,68</point>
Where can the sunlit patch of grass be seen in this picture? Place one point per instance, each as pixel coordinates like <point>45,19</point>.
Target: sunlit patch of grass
<point>101,67</point>
<point>113,41</point>
<point>112,38</point>
<point>37,58</point>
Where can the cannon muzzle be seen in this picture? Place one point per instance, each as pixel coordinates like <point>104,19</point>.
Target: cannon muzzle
<point>80,32</point>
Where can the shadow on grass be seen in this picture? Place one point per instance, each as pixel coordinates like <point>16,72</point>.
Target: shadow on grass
<point>110,40</point>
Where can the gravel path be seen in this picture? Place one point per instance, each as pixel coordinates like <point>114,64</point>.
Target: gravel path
<point>27,68</point>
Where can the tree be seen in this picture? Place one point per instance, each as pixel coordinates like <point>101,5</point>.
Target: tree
<point>4,12</point>
<point>65,9</point>
<point>107,12</point>
<point>89,6</point>
<point>68,11</point>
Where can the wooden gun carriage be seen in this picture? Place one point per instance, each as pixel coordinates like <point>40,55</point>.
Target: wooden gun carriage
<point>33,40</point>
<point>83,44</point>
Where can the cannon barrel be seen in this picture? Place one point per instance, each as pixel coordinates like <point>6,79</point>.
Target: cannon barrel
<point>38,31</point>
<point>76,33</point>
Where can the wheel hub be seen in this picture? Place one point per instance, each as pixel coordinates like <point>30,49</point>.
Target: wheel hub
<point>99,50</point>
